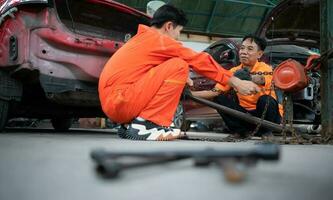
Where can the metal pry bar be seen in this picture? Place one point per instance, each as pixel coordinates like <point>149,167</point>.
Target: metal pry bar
<point>244,116</point>
<point>109,162</point>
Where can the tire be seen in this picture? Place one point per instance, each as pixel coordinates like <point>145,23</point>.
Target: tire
<point>61,124</point>
<point>179,120</point>
<point>4,109</point>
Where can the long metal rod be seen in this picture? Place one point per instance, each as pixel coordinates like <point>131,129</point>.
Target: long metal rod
<point>263,151</point>
<point>244,116</point>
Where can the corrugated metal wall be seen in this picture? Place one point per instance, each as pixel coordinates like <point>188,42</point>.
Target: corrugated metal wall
<point>218,17</point>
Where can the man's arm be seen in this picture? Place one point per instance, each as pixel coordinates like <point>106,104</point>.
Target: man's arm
<point>244,87</point>
<point>241,86</point>
<point>204,64</point>
<point>206,94</point>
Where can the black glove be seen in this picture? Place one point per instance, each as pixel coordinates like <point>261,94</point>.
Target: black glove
<point>243,74</point>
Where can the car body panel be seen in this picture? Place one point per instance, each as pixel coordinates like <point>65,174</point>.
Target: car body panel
<point>54,52</point>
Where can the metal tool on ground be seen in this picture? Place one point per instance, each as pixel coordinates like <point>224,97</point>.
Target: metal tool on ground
<point>111,163</point>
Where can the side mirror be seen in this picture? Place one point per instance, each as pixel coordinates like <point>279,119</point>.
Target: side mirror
<point>227,55</point>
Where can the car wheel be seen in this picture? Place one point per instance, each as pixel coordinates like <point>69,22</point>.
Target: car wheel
<point>179,120</point>
<point>61,124</point>
<point>4,107</point>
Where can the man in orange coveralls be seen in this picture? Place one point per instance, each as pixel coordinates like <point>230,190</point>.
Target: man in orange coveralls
<point>252,48</point>
<point>142,82</point>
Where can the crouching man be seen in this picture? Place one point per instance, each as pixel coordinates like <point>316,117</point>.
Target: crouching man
<point>141,84</point>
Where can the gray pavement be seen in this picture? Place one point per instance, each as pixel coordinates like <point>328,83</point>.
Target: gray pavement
<point>42,164</point>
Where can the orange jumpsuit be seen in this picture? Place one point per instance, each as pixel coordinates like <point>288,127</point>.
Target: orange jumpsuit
<point>146,76</point>
<point>249,102</point>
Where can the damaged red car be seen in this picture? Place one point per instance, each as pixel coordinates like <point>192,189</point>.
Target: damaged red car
<point>52,53</point>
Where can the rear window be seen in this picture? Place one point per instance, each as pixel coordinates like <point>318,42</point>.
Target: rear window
<point>96,19</point>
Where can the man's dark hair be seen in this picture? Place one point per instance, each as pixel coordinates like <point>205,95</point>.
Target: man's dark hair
<point>167,13</point>
<point>261,42</point>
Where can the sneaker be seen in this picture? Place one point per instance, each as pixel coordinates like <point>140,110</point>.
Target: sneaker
<point>145,130</point>
<point>122,131</point>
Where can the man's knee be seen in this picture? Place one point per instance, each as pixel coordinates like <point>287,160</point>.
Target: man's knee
<point>226,99</point>
<point>221,99</point>
<point>272,113</point>
<point>263,100</point>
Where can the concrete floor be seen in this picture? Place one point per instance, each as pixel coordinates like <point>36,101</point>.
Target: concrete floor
<point>42,164</point>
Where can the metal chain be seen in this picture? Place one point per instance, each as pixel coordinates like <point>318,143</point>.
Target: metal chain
<point>284,102</point>
<point>261,73</point>
<point>263,113</point>
<point>296,139</point>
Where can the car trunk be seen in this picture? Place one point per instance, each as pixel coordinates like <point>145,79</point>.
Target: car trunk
<point>103,19</point>
<point>293,22</point>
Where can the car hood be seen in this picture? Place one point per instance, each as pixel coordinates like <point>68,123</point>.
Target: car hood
<point>293,22</point>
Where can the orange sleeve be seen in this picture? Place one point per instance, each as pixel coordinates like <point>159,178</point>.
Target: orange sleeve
<point>227,87</point>
<point>201,63</point>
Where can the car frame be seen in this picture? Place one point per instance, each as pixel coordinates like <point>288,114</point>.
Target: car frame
<point>52,53</point>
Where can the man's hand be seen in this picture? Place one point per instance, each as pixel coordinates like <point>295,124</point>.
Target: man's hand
<point>243,87</point>
<point>189,82</point>
<point>258,79</point>
<point>243,74</point>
